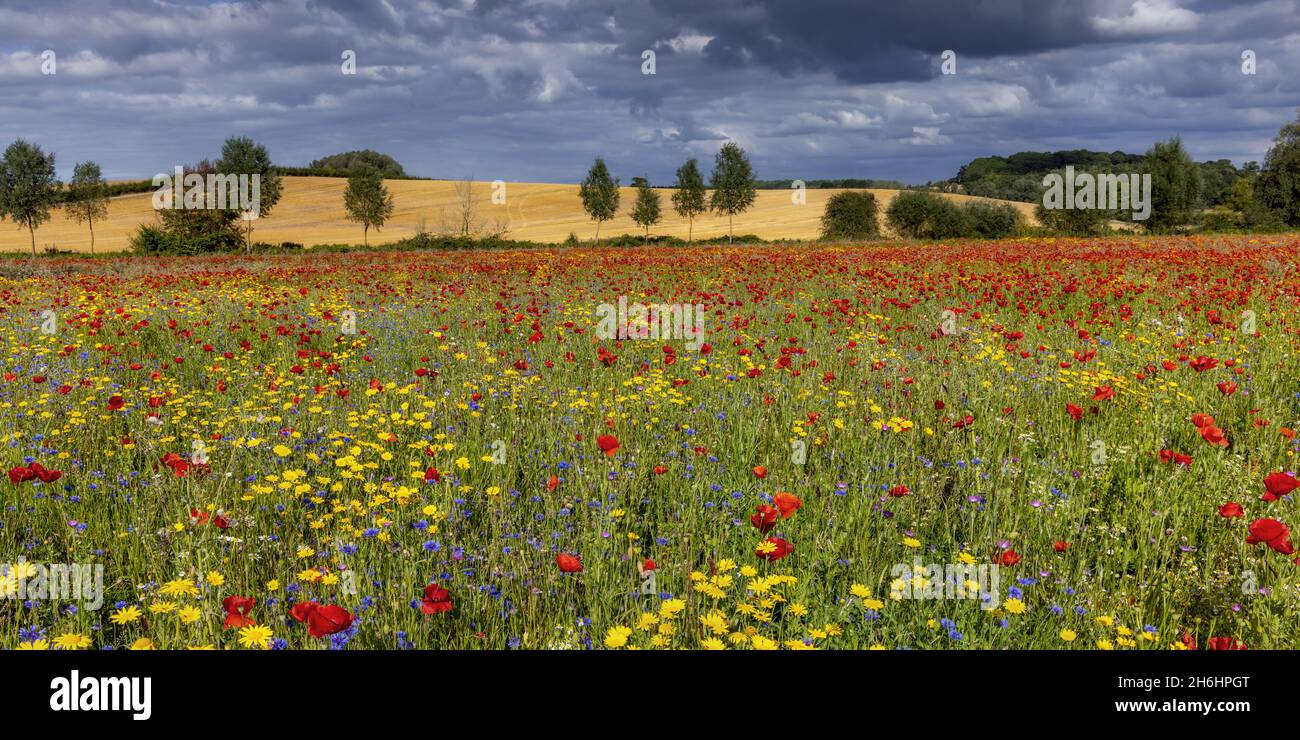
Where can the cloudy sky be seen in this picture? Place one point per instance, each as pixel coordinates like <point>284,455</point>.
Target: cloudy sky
<point>534,89</point>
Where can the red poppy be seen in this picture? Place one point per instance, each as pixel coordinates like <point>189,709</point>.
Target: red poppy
<point>1225,643</point>
<point>765,519</point>
<point>648,565</point>
<point>552,483</point>
<point>303,609</point>
<point>1103,393</point>
<point>1227,387</point>
<point>437,600</point>
<point>1008,558</point>
<point>760,472</point>
<point>787,503</point>
<point>608,443</point>
<point>236,609</point>
<point>1231,509</point>
<point>899,491</point>
<point>1278,485</point>
<point>199,518</point>
<point>431,475</point>
<point>780,549</point>
<point>568,563</point>
<point>1075,412</point>
<point>1060,546</point>
<point>1214,436</point>
<point>327,620</point>
<point>1201,421</point>
<point>1271,532</point>
<point>115,403</point>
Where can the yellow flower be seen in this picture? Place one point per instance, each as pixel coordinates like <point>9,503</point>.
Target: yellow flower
<point>1015,606</point>
<point>179,587</point>
<point>125,615</point>
<point>616,637</point>
<point>189,614</point>
<point>162,607</point>
<point>1068,635</point>
<point>911,542</point>
<point>760,642</point>
<point>713,643</point>
<point>72,641</point>
<point>35,645</point>
<point>272,585</point>
<point>860,591</point>
<point>255,635</point>
<point>215,578</point>
<point>873,604</point>
<point>144,643</point>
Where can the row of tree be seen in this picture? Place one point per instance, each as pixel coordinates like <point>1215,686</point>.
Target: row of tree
<point>732,185</point>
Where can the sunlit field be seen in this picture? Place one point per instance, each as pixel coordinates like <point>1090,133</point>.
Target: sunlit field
<point>421,450</point>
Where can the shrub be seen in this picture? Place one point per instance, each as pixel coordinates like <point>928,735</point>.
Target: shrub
<point>850,215</point>
<point>991,220</point>
<point>1073,221</point>
<point>921,215</point>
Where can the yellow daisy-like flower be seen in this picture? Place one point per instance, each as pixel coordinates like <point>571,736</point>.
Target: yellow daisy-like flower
<point>255,635</point>
<point>202,647</point>
<point>799,610</point>
<point>179,587</point>
<point>1015,606</point>
<point>616,637</point>
<point>760,642</point>
<point>1068,635</point>
<point>189,614</point>
<point>873,604</point>
<point>34,645</point>
<point>272,585</point>
<point>713,643</point>
<point>859,591</point>
<point>162,607</point>
<point>72,641</point>
<point>1105,645</point>
<point>125,615</point>
<point>911,542</point>
<point>144,643</point>
<point>215,578</point>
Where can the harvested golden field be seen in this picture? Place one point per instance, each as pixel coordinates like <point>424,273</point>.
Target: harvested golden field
<point>311,213</point>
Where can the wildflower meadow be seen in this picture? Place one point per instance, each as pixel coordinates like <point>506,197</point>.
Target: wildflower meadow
<point>1026,443</point>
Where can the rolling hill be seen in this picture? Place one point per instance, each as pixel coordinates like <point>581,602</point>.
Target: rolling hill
<point>310,212</point>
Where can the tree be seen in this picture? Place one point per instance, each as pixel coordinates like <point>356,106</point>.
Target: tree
<point>850,215</point>
<point>1277,186</point>
<point>732,182</point>
<point>195,229</point>
<point>241,155</point>
<point>646,211</point>
<point>366,200</point>
<point>689,199</point>
<point>87,197</point>
<point>599,194</point>
<point>28,186</point>
<point>1175,185</point>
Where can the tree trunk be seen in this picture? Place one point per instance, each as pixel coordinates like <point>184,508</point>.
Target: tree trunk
<point>92,235</point>
<point>690,230</point>
<point>730,229</point>
<point>31,230</point>
<point>366,235</point>
<point>596,241</point>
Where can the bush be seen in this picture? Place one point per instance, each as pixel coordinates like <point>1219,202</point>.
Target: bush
<point>991,220</point>
<point>921,215</point>
<point>1074,221</point>
<point>850,215</point>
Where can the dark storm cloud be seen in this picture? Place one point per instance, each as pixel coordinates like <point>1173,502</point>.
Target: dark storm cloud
<point>533,89</point>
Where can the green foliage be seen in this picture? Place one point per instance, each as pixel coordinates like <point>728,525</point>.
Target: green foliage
<point>366,200</point>
<point>1175,186</point>
<point>29,187</point>
<point>646,211</point>
<point>599,193</point>
<point>732,182</point>
<point>850,215</point>
<point>349,162</point>
<point>847,183</point>
<point>87,198</point>
<point>920,215</point>
<point>689,198</point>
<point>991,220</point>
<point>1277,187</point>
<point>1073,221</point>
